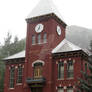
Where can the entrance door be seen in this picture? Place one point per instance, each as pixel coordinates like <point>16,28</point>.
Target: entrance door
<point>36,89</point>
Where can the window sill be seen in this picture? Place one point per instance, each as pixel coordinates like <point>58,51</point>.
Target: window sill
<point>44,42</point>
<point>11,88</point>
<point>33,44</point>
<point>61,79</point>
<point>39,43</point>
<point>19,84</point>
<point>70,78</point>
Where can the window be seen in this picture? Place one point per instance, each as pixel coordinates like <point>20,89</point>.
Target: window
<point>39,38</point>
<point>60,90</point>
<point>11,82</point>
<point>19,74</point>
<point>70,89</point>
<point>44,38</point>
<point>38,70</point>
<point>86,67</point>
<point>33,39</point>
<point>61,70</point>
<point>70,69</point>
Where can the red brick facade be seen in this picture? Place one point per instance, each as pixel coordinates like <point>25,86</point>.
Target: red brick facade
<point>43,52</point>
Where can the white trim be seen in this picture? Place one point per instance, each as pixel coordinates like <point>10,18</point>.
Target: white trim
<point>56,87</point>
<point>11,88</point>
<point>38,61</point>
<point>60,85</point>
<point>73,60</point>
<point>65,87</point>
<point>74,87</point>
<point>65,62</point>
<point>60,79</point>
<point>70,85</point>
<point>18,83</point>
<point>16,67</point>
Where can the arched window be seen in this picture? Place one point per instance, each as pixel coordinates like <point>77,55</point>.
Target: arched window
<point>19,74</point>
<point>38,70</point>
<point>39,38</point>
<point>33,39</point>
<point>12,78</point>
<point>45,38</point>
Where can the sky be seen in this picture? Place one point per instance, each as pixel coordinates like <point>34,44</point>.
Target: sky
<point>14,12</point>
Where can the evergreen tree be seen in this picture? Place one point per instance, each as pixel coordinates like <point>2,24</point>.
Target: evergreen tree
<point>9,48</point>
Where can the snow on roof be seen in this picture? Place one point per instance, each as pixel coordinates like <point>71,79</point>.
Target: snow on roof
<point>44,7</point>
<point>15,56</point>
<point>65,46</point>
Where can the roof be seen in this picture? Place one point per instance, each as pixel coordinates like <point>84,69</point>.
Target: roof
<point>16,56</point>
<point>44,7</point>
<point>65,46</point>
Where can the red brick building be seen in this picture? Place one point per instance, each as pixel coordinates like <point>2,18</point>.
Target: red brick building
<point>50,63</point>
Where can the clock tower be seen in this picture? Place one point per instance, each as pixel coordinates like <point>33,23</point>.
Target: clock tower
<point>51,63</point>
<point>45,30</point>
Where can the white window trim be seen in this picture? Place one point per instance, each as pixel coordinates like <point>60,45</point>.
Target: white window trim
<point>11,88</point>
<point>18,83</point>
<point>38,61</point>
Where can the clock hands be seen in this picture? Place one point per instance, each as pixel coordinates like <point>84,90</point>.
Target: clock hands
<point>38,28</point>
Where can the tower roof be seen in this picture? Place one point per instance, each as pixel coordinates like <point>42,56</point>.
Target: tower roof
<point>44,7</point>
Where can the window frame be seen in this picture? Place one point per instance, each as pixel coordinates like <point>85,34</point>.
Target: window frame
<point>19,75</point>
<point>39,39</point>
<point>70,72</point>
<point>70,88</point>
<point>38,70</point>
<point>12,78</point>
<point>33,40</point>
<point>45,38</point>
<point>60,72</point>
<point>86,66</point>
<point>60,88</point>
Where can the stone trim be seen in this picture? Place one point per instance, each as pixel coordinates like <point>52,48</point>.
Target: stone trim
<point>71,54</point>
<point>38,61</point>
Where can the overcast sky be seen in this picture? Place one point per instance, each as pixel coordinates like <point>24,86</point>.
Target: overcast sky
<point>14,12</point>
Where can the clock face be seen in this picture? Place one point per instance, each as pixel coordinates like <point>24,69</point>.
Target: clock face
<point>58,30</point>
<point>39,28</point>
